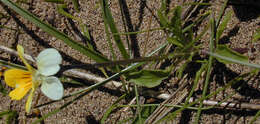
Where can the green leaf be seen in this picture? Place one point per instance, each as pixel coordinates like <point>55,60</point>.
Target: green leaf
<point>161,13</point>
<point>111,108</point>
<point>76,5</point>
<point>86,34</point>
<point>4,113</point>
<point>11,115</point>
<point>3,90</point>
<point>54,32</point>
<point>223,50</point>
<point>162,18</point>
<point>146,112</point>
<point>256,36</point>
<point>233,60</point>
<point>176,23</point>
<point>163,6</point>
<point>175,41</point>
<point>82,26</point>
<point>111,23</point>
<point>182,69</point>
<point>61,10</point>
<point>148,78</point>
<point>223,25</point>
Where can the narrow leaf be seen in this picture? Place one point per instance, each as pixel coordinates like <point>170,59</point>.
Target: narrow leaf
<point>11,117</point>
<point>256,36</point>
<point>111,108</point>
<point>163,19</point>
<point>175,41</point>
<point>176,24</point>
<point>146,112</point>
<point>223,50</point>
<point>4,113</point>
<point>66,14</point>
<point>223,25</point>
<point>76,5</point>
<point>162,15</point>
<point>110,21</point>
<point>148,78</point>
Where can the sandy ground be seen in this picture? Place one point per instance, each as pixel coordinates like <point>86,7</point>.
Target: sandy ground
<point>91,107</point>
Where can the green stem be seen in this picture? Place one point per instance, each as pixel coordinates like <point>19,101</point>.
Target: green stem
<point>167,105</point>
<point>212,22</point>
<point>138,105</point>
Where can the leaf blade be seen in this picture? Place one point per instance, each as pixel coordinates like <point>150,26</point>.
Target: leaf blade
<point>148,78</point>
<point>223,25</point>
<point>110,21</point>
<point>223,50</point>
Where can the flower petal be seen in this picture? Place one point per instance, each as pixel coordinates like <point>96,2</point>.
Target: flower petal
<point>20,51</point>
<point>19,92</point>
<point>14,77</point>
<point>29,101</point>
<point>52,88</point>
<point>48,62</point>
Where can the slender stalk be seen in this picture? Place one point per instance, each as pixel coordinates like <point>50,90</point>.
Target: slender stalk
<point>210,61</point>
<point>138,32</point>
<point>167,105</point>
<point>255,117</point>
<point>138,105</point>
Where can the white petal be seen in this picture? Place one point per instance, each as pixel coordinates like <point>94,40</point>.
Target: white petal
<point>52,88</point>
<point>48,62</point>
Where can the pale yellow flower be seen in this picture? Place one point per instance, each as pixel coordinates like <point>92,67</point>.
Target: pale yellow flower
<point>23,81</point>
